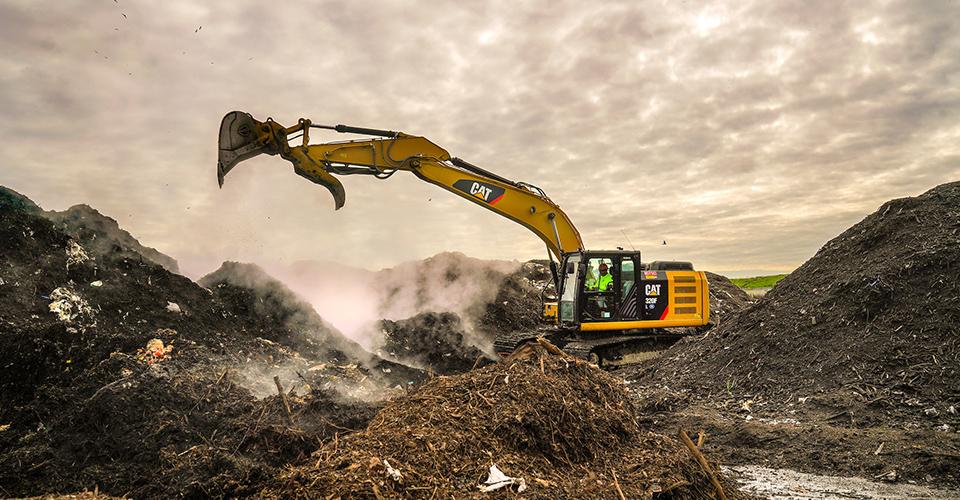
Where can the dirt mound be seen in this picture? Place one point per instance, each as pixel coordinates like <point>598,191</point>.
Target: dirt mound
<point>271,308</point>
<point>436,341</point>
<point>726,299</point>
<point>102,236</point>
<point>866,331</point>
<point>11,200</point>
<point>563,426</point>
<point>116,373</point>
<point>517,305</point>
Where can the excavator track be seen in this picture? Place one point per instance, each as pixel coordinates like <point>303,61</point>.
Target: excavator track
<point>608,351</point>
<point>612,352</point>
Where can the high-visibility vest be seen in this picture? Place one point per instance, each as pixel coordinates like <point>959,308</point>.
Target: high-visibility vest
<point>604,282</point>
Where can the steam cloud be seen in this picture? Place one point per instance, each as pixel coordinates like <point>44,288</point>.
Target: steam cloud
<point>355,300</point>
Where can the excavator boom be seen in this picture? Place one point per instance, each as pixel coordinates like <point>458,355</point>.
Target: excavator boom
<point>242,137</point>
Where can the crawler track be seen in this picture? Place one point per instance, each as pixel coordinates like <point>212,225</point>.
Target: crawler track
<point>606,351</point>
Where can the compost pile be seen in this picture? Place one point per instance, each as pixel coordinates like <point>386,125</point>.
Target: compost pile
<point>558,426</point>
<point>866,331</point>
<point>435,341</point>
<point>117,374</point>
<point>447,342</point>
<point>726,299</point>
<point>101,235</point>
<point>276,313</point>
<point>517,305</point>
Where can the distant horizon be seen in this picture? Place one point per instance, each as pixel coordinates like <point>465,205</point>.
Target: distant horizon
<point>195,273</point>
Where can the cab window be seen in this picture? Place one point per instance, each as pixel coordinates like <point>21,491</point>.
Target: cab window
<point>627,275</point>
<point>598,277</point>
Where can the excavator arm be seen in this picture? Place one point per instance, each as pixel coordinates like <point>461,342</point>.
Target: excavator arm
<point>242,137</point>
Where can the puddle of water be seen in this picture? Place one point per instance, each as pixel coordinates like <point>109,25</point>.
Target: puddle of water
<point>785,483</point>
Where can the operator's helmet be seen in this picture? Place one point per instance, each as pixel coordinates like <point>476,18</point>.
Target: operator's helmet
<point>603,266</point>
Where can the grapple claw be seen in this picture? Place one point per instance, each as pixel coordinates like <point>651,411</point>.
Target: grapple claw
<point>328,181</point>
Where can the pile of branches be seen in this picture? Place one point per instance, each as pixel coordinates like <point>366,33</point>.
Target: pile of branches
<point>562,426</point>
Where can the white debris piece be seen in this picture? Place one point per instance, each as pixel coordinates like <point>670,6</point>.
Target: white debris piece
<point>67,305</point>
<point>394,473</point>
<point>174,307</point>
<point>75,254</point>
<point>97,284</point>
<point>497,480</point>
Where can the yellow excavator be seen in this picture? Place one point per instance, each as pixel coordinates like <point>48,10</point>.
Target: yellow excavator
<point>609,307</point>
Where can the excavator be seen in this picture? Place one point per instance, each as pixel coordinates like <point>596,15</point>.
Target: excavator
<point>608,306</point>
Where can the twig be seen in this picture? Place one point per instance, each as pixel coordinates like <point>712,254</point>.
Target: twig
<point>617,485</point>
<point>703,463</point>
<point>184,452</point>
<point>674,486</point>
<point>549,347</point>
<point>210,390</point>
<point>283,396</point>
<point>477,362</point>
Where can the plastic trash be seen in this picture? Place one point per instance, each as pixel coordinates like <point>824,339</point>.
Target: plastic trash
<point>497,480</point>
<point>393,473</point>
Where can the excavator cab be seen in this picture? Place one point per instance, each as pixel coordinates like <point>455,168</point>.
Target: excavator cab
<point>634,296</point>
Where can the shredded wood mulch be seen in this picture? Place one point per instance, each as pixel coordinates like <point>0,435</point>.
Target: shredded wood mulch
<point>564,426</point>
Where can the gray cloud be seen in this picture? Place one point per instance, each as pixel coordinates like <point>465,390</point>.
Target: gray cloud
<point>746,134</point>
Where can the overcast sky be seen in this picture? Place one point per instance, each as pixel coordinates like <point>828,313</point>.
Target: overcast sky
<point>745,134</point>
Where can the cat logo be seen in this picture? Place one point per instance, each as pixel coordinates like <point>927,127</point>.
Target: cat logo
<point>480,190</point>
<point>652,290</point>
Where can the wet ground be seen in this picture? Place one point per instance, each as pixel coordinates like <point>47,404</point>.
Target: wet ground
<point>786,483</point>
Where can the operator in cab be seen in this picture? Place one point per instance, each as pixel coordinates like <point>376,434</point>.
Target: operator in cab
<point>602,282</point>
<point>596,306</point>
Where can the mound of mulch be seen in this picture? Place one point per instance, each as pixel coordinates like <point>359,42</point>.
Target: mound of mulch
<point>562,425</point>
<point>867,331</point>
<point>270,307</point>
<point>102,235</point>
<point>435,341</point>
<point>517,306</point>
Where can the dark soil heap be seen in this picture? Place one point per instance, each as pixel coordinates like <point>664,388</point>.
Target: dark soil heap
<point>269,306</point>
<point>102,235</point>
<point>83,406</point>
<point>436,341</point>
<point>563,426</point>
<point>868,329</point>
<point>517,306</point>
<point>726,299</point>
